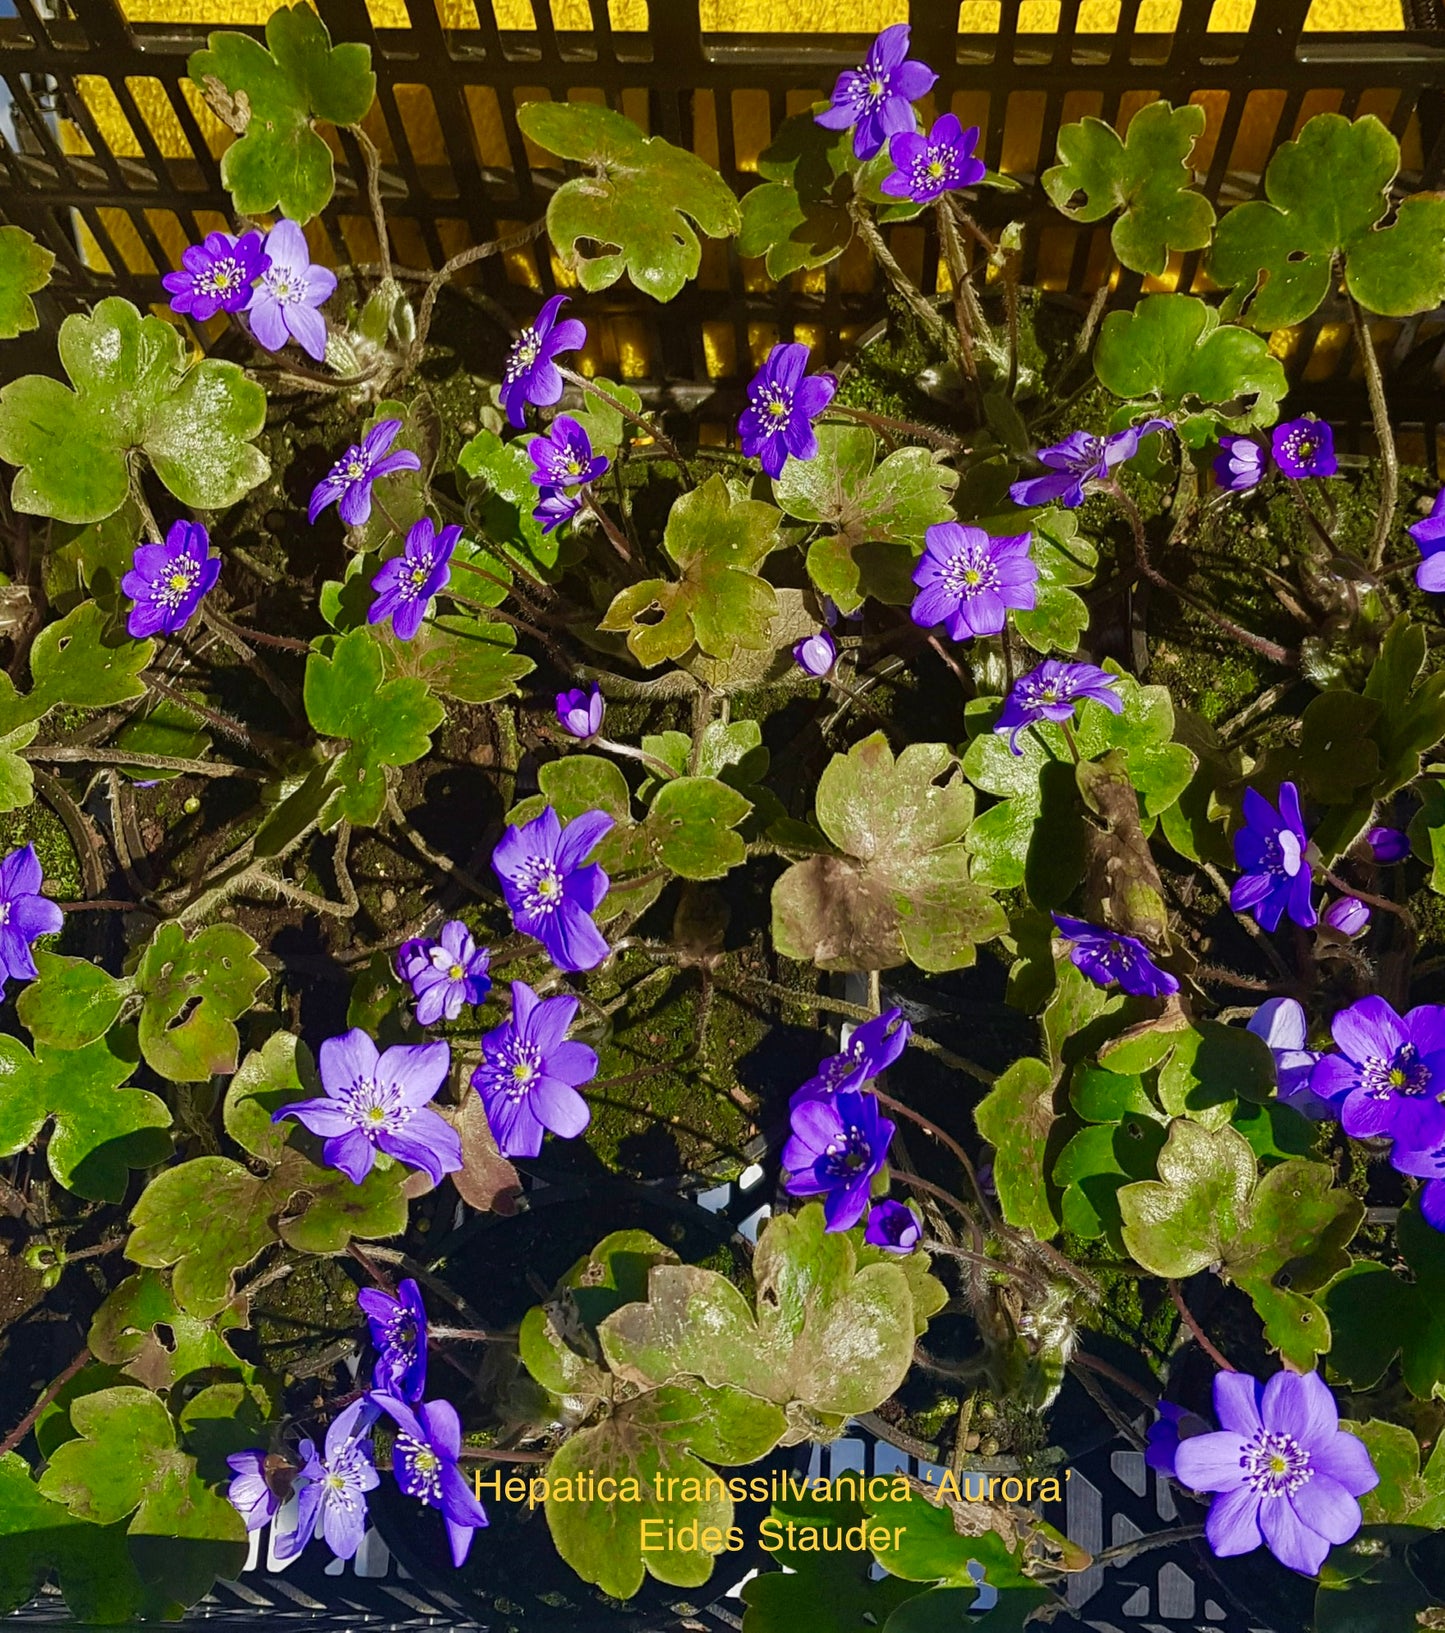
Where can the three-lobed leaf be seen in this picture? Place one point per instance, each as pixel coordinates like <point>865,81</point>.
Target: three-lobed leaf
<point>24,269</point>
<point>193,991</point>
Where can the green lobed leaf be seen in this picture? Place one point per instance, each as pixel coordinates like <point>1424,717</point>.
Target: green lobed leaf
<point>71,1003</point>
<point>691,827</point>
<point>503,506</point>
<point>80,661</point>
<point>1065,560</point>
<point>193,991</point>
<point>24,269</point>
<point>1377,1313</point>
<point>1016,1117</point>
<point>126,1332</point>
<point>461,656</point>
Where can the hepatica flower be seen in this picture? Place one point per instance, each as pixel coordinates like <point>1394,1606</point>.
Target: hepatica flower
<point>1052,691</point>
<point>1079,459</point>
<point>168,581</point>
<point>1429,534</point>
<point>1389,1072</point>
<point>816,654</point>
<point>283,303</point>
<point>580,713</point>
<point>398,1335</point>
<point>564,458</point>
<point>348,484</point>
<point>871,1048</point>
<point>555,506</point>
<point>250,1492</point>
<point>1271,850</point>
<point>967,580</point>
<point>894,1227</point>
<point>530,1073</point>
<point>783,402</point>
<point>1286,1475</point>
<point>530,375</point>
<point>407,583</point>
<point>1240,463</point>
<point>1348,915</point>
<point>551,888</point>
<point>1107,956</point>
<point>446,973</point>
<point>1388,845</point>
<point>927,167</point>
<point>838,1144</point>
<point>216,276</point>
<point>380,1102</point>
<point>25,915</point>
<point>1282,1024</point>
<point>1304,448</point>
<point>424,1460</point>
<point>333,1485</point>
<point>875,100</point>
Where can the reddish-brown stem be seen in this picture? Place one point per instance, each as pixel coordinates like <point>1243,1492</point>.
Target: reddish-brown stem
<point>23,1428</point>
<point>1200,1336</point>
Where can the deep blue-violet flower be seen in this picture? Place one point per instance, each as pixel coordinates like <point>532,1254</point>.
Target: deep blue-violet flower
<point>1079,459</point>
<point>1052,691</point>
<point>1388,845</point>
<point>1429,1165</point>
<point>1429,534</point>
<point>398,1335</point>
<point>168,581</point>
<point>250,1492</point>
<point>1348,915</point>
<point>893,1226</point>
<point>530,375</point>
<point>1304,448</point>
<point>1240,463</point>
<point>333,1484</point>
<point>1162,1438</point>
<point>563,458</point>
<point>551,888</point>
<point>446,973</point>
<point>875,100</point>
<point>530,1073</point>
<point>284,302</point>
<point>216,276</point>
<point>424,1460</point>
<point>871,1048</point>
<point>348,483</point>
<point>968,580</point>
<point>1284,1027</point>
<point>816,654</point>
<point>838,1144</point>
<point>580,713</point>
<point>1271,850</point>
<point>1107,956</point>
<point>407,583</point>
<point>380,1102</point>
<point>555,506</point>
<point>1388,1072</point>
<point>783,402</point>
<point>927,167</point>
<point>1286,1475</point>
<point>25,915</point>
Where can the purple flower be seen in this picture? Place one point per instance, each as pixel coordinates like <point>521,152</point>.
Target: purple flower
<point>550,892</point>
<point>1051,692</point>
<point>530,1073</point>
<point>167,581</point>
<point>333,1486</point>
<point>25,914</point>
<point>967,581</point>
<point>379,1102</point>
<point>1304,448</point>
<point>1348,915</point>
<point>1271,851</point>
<point>406,584</point>
<point>838,1144</point>
<point>871,1048</point>
<point>250,1492</point>
<point>816,654</point>
<point>446,973</point>
<point>1390,1069</point>
<point>875,100</point>
<point>1428,1165</point>
<point>1429,534</point>
<point>1240,463</point>
<point>1107,956</point>
<point>927,167</point>
<point>1286,1474</point>
<point>1281,1022</point>
<point>217,275</point>
<point>564,457</point>
<point>424,1460</point>
<point>783,402</point>
<point>1162,1438</point>
<point>398,1335</point>
<point>555,506</point>
<point>894,1227</point>
<point>284,302</point>
<point>1389,844</point>
<point>349,481</point>
<point>1079,459</point>
<point>580,713</point>
<point>530,375</point>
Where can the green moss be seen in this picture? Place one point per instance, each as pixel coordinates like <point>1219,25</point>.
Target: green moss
<point>38,825</point>
<point>300,1316</point>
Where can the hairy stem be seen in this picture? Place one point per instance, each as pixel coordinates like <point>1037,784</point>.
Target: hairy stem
<point>1380,415</point>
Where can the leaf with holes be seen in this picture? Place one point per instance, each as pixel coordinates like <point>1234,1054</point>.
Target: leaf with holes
<point>24,269</point>
<point>134,388</point>
<point>691,827</point>
<point>1146,177</point>
<point>272,95</point>
<point>127,1330</point>
<point>71,1003</point>
<point>638,203</point>
<point>193,992</point>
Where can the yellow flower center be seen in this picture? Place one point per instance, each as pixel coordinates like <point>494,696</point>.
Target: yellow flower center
<point>179,581</point>
<point>935,168</point>
<point>522,1072</point>
<point>548,886</point>
<point>456,973</point>
<point>971,575</point>
<point>875,87</point>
